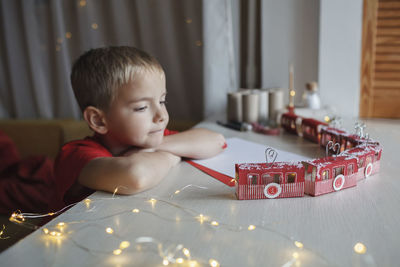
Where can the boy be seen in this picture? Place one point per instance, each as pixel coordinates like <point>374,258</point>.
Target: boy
<point>122,94</point>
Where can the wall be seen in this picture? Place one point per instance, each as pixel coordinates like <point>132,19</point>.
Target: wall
<point>340,55</point>
<point>290,33</point>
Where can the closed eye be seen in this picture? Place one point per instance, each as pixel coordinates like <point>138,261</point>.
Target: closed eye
<point>140,108</point>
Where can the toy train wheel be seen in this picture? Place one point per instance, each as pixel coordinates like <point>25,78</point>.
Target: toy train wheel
<point>272,190</point>
<point>338,182</point>
<point>368,170</point>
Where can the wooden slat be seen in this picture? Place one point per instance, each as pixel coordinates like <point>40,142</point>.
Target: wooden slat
<point>381,49</point>
<point>388,23</point>
<point>388,5</point>
<point>386,84</point>
<point>386,103</point>
<point>386,93</point>
<point>387,14</point>
<point>387,58</point>
<point>387,75</point>
<point>387,40</point>
<point>387,67</point>
<point>388,32</point>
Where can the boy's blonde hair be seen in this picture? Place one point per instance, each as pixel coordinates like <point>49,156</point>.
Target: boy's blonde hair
<point>98,73</point>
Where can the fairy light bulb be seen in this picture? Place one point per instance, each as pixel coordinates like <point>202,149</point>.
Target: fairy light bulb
<point>179,260</point>
<point>360,248</point>
<point>214,223</point>
<point>124,244</point>
<point>213,263</point>
<point>87,202</point>
<point>165,262</point>
<point>135,210</point>
<point>109,230</point>
<point>177,192</point>
<point>251,227</point>
<point>45,230</point>
<point>186,252</point>
<point>117,252</point>
<point>298,244</point>
<point>295,255</point>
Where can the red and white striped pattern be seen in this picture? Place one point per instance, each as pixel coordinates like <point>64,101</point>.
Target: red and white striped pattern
<point>326,186</point>
<point>257,191</point>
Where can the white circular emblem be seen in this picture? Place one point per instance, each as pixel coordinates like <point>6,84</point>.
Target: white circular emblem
<point>338,182</point>
<point>368,170</point>
<point>272,190</point>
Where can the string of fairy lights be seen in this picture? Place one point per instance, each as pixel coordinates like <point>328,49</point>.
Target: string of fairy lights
<point>168,254</point>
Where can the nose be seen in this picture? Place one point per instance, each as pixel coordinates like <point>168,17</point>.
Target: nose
<point>160,115</point>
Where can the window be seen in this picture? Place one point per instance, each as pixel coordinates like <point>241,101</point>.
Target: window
<point>338,170</point>
<point>313,174</point>
<point>361,163</point>
<point>369,160</point>
<point>350,169</point>
<point>325,175</point>
<point>290,177</point>
<point>252,179</point>
<point>277,178</point>
<point>267,178</point>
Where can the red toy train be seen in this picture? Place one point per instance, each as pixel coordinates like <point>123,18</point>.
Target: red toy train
<point>358,159</point>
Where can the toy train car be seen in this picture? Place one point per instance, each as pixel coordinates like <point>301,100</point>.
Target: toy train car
<point>313,177</point>
<point>291,123</point>
<point>368,158</point>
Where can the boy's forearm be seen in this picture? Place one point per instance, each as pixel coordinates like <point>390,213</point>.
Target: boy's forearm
<point>149,168</point>
<point>195,143</point>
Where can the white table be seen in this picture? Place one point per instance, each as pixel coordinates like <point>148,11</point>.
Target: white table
<point>328,226</point>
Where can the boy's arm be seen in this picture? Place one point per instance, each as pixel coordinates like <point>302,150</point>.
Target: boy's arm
<point>132,174</point>
<point>196,143</point>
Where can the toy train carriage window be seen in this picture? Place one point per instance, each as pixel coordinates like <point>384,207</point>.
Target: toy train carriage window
<point>361,162</point>
<point>267,178</point>
<point>326,137</point>
<point>338,170</point>
<point>350,169</point>
<point>376,156</point>
<point>291,177</point>
<point>368,160</point>
<point>310,172</point>
<point>252,179</point>
<point>325,175</point>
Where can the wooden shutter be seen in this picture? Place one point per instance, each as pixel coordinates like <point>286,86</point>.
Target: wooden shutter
<point>380,66</point>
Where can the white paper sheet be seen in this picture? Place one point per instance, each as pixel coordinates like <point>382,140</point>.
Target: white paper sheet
<point>242,151</point>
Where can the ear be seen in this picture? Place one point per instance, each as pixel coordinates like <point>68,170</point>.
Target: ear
<point>95,118</point>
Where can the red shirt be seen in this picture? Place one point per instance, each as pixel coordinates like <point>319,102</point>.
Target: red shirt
<point>70,162</point>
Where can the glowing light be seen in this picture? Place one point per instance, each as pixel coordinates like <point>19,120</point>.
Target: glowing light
<point>68,35</point>
<point>177,192</point>
<point>135,210</point>
<point>251,227</point>
<point>201,218</point>
<point>124,244</point>
<point>45,230</point>
<point>51,213</point>
<point>117,252</point>
<point>327,119</point>
<point>17,217</point>
<point>53,233</point>
<point>109,230</point>
<point>165,262</point>
<point>292,93</point>
<point>213,263</point>
<point>95,26</point>
<point>193,264</point>
<point>61,224</point>
<point>215,223</point>
<point>186,252</point>
<point>295,255</point>
<point>360,248</point>
<point>82,3</point>
<point>179,260</point>
<point>153,200</point>
<point>298,244</point>
<point>199,43</point>
<point>189,20</point>
<point>87,202</point>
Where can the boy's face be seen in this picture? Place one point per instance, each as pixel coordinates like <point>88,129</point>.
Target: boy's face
<point>138,116</point>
